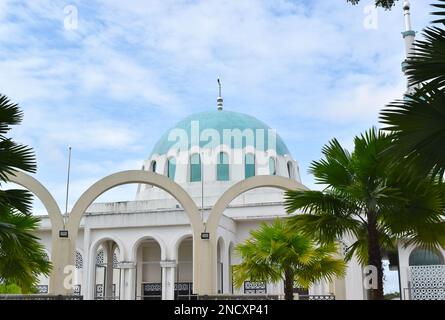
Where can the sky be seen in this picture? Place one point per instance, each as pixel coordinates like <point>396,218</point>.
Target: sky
<point>109,77</point>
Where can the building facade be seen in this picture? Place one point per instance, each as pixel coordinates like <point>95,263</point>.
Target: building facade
<point>208,182</point>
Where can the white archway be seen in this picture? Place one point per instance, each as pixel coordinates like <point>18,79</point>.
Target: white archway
<point>210,249</point>
<point>142,177</point>
<point>91,277</point>
<point>58,245</point>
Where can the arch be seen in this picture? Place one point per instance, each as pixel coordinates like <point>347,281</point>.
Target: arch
<point>35,187</point>
<point>177,242</point>
<point>91,268</point>
<point>60,250</point>
<point>425,257</point>
<point>134,176</point>
<point>138,242</point>
<point>222,203</point>
<point>95,245</point>
<point>246,185</point>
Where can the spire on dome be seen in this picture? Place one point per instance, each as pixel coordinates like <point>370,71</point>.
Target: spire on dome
<point>219,100</point>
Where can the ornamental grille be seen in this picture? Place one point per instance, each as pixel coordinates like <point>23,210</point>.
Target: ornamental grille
<point>42,288</point>
<point>77,289</point>
<point>258,287</point>
<point>115,262</point>
<point>100,258</point>
<point>79,260</point>
<point>427,282</point>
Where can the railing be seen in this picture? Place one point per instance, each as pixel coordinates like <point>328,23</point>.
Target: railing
<point>108,298</point>
<point>316,297</point>
<point>39,297</point>
<point>239,297</point>
<point>184,291</point>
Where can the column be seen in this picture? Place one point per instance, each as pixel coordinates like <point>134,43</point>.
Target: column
<point>168,279</point>
<point>109,246</point>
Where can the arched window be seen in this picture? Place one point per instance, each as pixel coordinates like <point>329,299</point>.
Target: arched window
<point>290,170</point>
<point>153,166</point>
<point>195,167</point>
<point>249,165</point>
<point>424,257</point>
<point>100,258</point>
<point>222,167</point>
<point>171,168</point>
<point>272,167</point>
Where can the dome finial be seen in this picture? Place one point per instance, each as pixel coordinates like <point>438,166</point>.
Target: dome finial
<point>219,100</point>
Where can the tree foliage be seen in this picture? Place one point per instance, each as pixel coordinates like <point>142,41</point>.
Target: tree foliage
<point>22,257</point>
<point>418,121</point>
<point>386,4</point>
<point>369,200</point>
<point>274,253</point>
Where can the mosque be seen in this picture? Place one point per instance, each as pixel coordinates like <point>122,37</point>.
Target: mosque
<point>208,182</point>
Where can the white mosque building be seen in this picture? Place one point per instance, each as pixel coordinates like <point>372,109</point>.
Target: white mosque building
<point>208,182</point>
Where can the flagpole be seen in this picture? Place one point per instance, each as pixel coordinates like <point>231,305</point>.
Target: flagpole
<point>67,186</point>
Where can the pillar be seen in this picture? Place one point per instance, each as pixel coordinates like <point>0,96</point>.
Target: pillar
<point>168,279</point>
<point>62,255</point>
<point>109,247</point>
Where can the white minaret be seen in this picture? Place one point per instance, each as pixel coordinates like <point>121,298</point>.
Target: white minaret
<point>408,35</point>
<point>219,100</point>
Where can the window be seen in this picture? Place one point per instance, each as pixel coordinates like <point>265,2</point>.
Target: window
<point>272,167</point>
<point>423,257</point>
<point>195,168</point>
<point>290,170</point>
<point>153,166</point>
<point>171,168</point>
<point>249,165</point>
<point>222,167</point>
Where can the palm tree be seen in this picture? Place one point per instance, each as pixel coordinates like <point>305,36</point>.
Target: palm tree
<point>274,253</point>
<point>22,257</point>
<point>368,198</point>
<point>418,121</point>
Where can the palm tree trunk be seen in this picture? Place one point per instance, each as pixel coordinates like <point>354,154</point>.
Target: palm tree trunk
<point>374,255</point>
<point>288,284</point>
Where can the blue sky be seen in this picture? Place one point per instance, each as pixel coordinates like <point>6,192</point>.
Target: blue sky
<point>109,88</point>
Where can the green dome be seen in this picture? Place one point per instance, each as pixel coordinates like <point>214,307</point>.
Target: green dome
<point>219,121</point>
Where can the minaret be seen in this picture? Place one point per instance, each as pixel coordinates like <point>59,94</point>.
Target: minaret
<point>408,35</point>
<point>219,100</point>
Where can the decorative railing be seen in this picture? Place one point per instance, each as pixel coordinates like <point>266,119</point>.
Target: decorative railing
<point>239,297</point>
<point>39,297</point>
<point>317,297</point>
